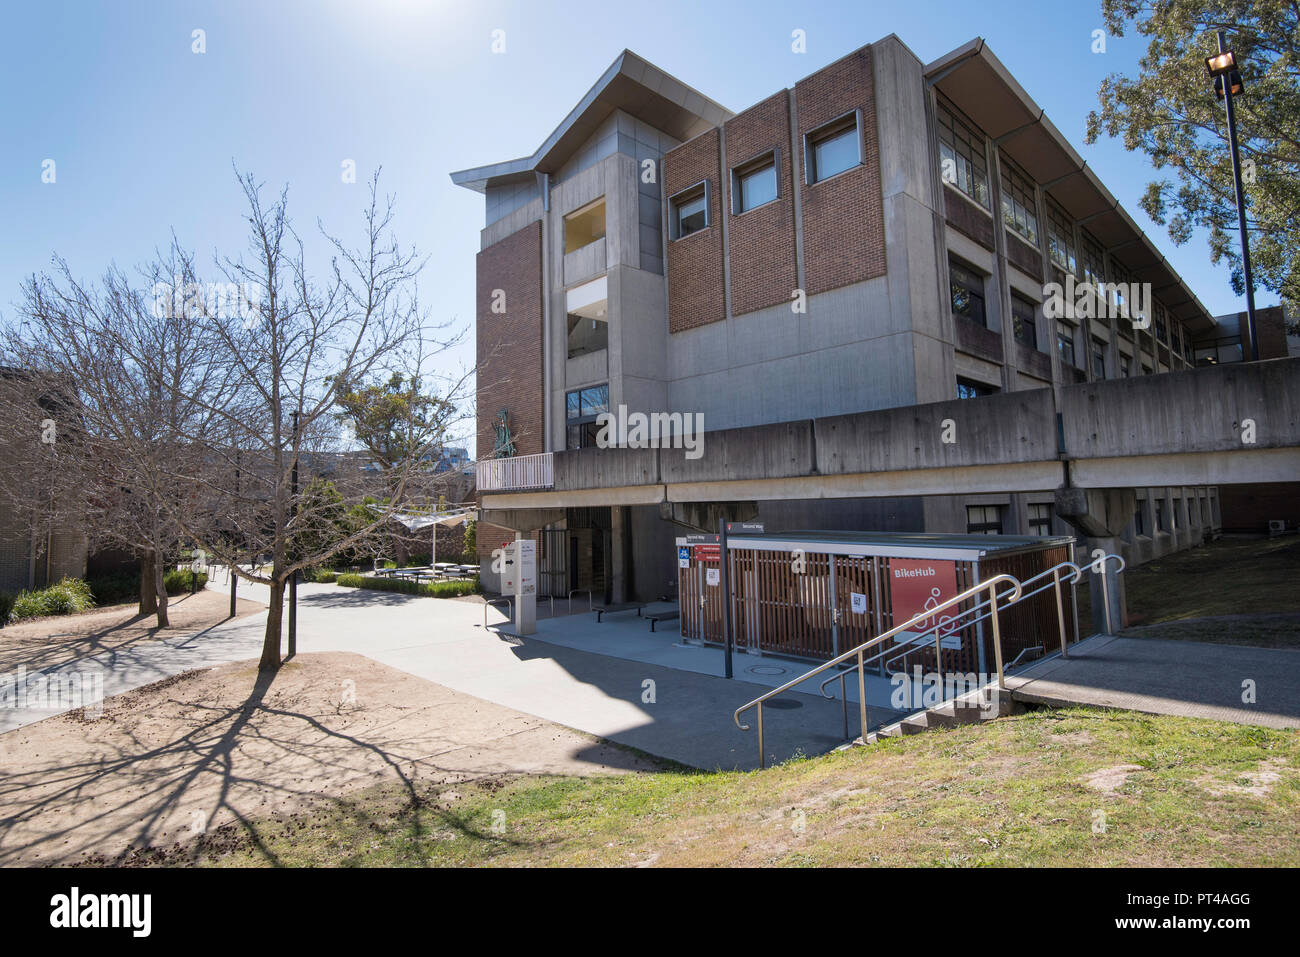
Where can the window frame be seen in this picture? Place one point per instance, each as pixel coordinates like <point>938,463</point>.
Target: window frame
<point>976,163</point>
<point>702,189</point>
<point>583,419</point>
<point>981,293</point>
<point>985,527</point>
<point>769,159</point>
<point>828,131</point>
<point>1060,231</point>
<point>1012,182</point>
<point>1018,322</point>
<point>1066,333</point>
<point>1037,521</point>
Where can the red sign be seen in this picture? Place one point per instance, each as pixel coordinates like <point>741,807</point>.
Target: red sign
<point>708,553</point>
<point>917,585</point>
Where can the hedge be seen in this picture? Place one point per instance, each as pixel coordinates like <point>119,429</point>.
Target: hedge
<point>451,589</point>
<point>68,597</point>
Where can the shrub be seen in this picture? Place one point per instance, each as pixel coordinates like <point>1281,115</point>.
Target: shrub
<point>6,606</point>
<point>451,589</point>
<point>180,580</point>
<point>324,576</point>
<point>67,597</point>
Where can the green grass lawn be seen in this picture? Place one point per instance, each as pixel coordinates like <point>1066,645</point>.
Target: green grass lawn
<point>1232,591</point>
<point>1076,787</point>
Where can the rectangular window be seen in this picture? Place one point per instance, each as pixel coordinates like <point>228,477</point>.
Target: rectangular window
<point>1091,259</point>
<point>582,406</point>
<point>1065,343</point>
<point>832,149</point>
<point>1146,369</point>
<point>970,389</point>
<point>690,211</point>
<point>1162,324</point>
<point>1060,239</point>
<point>967,289</point>
<point>1040,518</point>
<point>983,519</point>
<point>1024,321</point>
<point>584,226</point>
<point>1018,204</point>
<point>1139,520</point>
<point>1125,365</point>
<point>1098,359</point>
<point>754,184</point>
<point>1160,515</point>
<point>961,158</point>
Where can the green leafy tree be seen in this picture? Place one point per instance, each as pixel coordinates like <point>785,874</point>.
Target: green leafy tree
<point>1169,111</point>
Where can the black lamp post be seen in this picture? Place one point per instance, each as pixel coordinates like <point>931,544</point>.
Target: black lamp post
<point>1227,84</point>
<point>293,579</point>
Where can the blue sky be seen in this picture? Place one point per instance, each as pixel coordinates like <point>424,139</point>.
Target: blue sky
<point>143,131</point>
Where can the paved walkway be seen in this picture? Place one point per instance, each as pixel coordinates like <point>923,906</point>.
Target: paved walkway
<point>1188,678</point>
<point>676,713</point>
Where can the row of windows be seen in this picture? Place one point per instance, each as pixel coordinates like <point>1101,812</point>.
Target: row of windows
<point>828,151</point>
<point>988,519</point>
<point>963,167</point>
<point>1165,521</point>
<point>966,287</point>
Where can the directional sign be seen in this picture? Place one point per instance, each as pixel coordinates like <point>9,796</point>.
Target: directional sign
<point>745,528</point>
<point>684,557</point>
<point>708,553</point>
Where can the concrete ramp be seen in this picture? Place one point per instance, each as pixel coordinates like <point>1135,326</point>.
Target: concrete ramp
<point>1193,679</point>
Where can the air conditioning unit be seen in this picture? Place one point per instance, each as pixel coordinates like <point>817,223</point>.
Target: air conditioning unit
<point>1276,527</point>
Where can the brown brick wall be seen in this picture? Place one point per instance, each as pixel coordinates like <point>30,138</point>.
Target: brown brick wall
<point>1023,255</point>
<point>510,343</point>
<point>843,217</point>
<point>695,289</point>
<point>761,241</point>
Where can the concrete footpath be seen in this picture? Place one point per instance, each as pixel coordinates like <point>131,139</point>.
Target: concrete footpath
<point>1189,678</point>
<point>681,715</point>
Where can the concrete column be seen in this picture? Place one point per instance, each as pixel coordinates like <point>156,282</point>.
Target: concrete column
<point>620,567</point>
<point>1100,515</point>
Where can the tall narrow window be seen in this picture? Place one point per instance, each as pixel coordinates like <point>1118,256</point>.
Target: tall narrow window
<point>967,289</point>
<point>1065,343</point>
<point>1098,359</point>
<point>1040,518</point>
<point>1018,205</point>
<point>1024,321</point>
<point>961,158</point>
<point>1060,239</point>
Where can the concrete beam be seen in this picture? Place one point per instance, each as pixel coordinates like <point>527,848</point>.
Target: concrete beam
<point>1243,467</point>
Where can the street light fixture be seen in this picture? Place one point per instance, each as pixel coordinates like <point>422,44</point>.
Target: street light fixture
<point>1222,67</point>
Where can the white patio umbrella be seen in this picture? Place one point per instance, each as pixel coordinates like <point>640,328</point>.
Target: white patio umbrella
<point>457,515</point>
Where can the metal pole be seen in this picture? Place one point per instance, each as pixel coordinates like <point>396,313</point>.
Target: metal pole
<point>862,694</point>
<point>1241,209</point>
<point>293,580</point>
<point>1060,610</point>
<point>997,642</point>
<point>726,599</point>
<point>762,750</point>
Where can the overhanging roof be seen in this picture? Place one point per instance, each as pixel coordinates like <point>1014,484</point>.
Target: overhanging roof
<point>630,84</point>
<point>976,82</point>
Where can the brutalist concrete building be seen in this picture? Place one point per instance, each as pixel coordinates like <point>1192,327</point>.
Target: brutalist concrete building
<point>856,286</point>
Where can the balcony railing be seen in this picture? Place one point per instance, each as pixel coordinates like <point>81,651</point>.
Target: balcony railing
<point>517,472</point>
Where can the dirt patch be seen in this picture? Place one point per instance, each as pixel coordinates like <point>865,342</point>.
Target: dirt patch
<point>222,747</point>
<point>48,642</point>
<point>1257,783</point>
<point>1109,780</point>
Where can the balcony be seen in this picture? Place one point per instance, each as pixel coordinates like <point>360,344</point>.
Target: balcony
<point>516,473</point>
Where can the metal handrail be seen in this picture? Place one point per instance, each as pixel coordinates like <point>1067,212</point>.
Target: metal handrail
<point>1098,567</point>
<point>1075,574</point>
<point>860,651</point>
<point>577,591</point>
